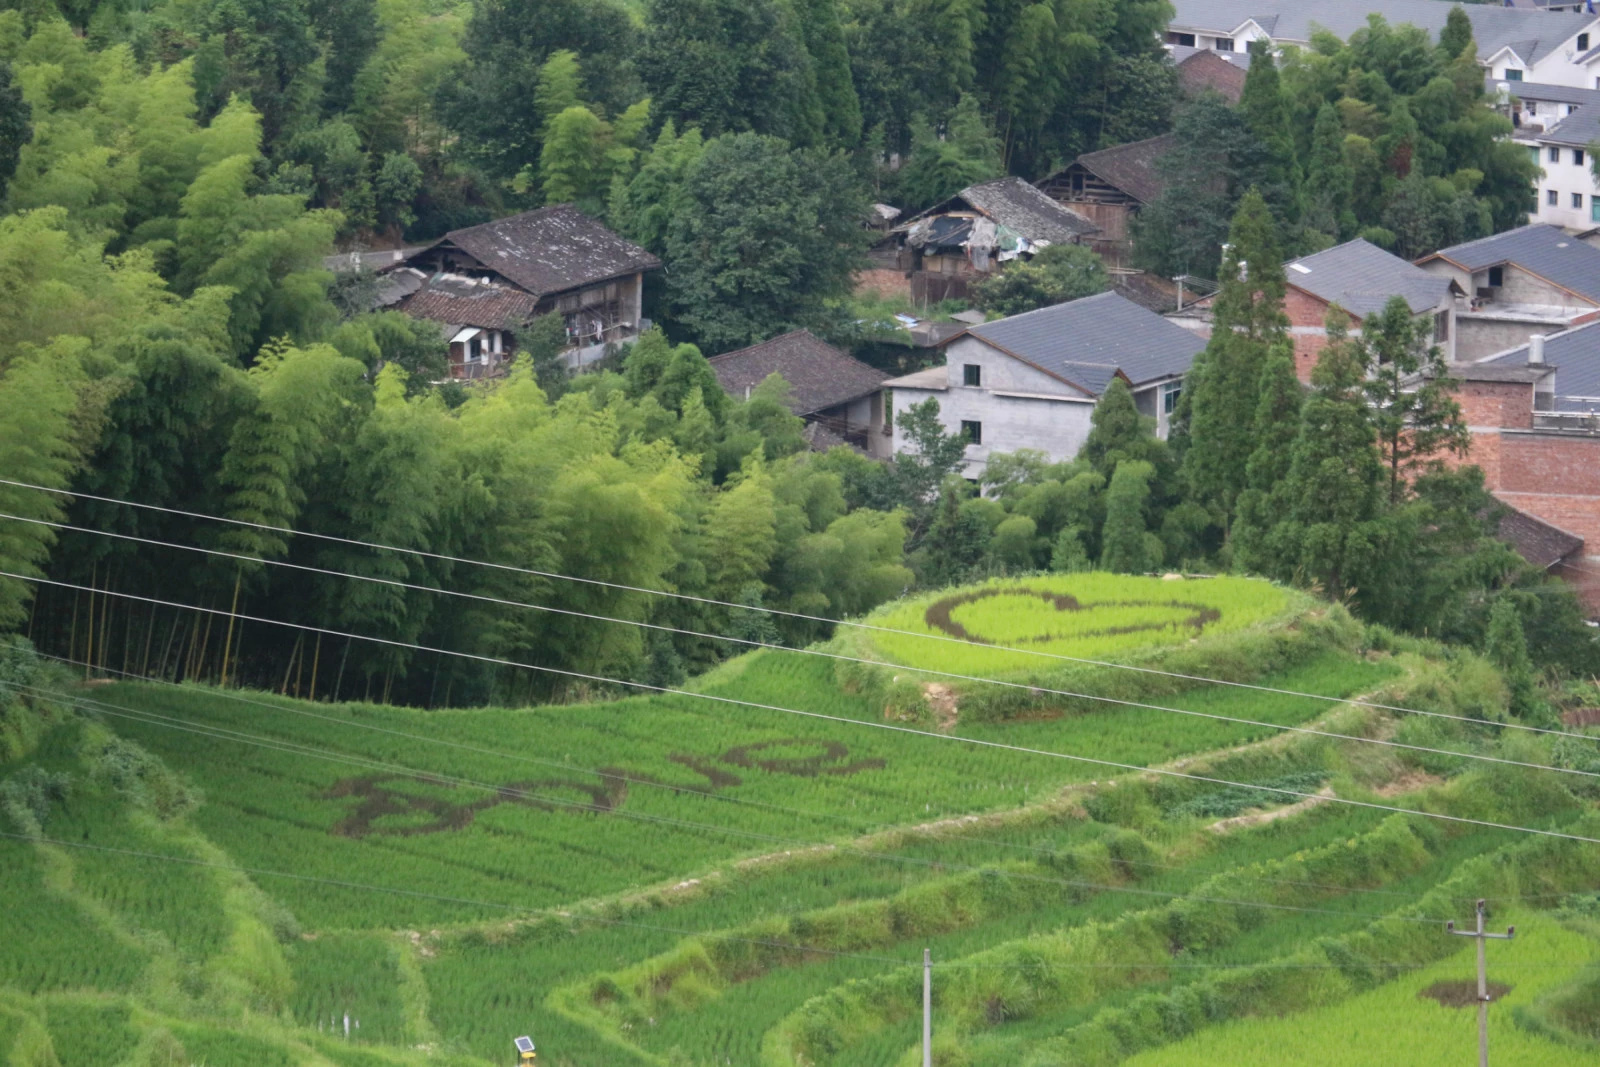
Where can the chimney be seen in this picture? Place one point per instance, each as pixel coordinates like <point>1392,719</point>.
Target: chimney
<point>1536,349</point>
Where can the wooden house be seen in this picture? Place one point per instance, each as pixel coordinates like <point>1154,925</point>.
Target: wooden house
<point>1108,187</point>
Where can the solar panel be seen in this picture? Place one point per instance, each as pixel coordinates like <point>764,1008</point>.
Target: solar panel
<point>524,1044</point>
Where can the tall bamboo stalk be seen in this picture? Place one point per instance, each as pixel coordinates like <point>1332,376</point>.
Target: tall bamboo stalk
<point>300,669</point>
<point>233,610</point>
<point>205,641</point>
<point>316,659</point>
<point>149,634</point>
<point>105,622</point>
<point>88,648</point>
<point>283,690</point>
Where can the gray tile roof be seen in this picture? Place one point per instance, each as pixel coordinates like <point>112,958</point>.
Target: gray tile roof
<point>1536,33</point>
<point>820,376</point>
<point>1544,91</point>
<point>1535,540</point>
<point>1543,249</point>
<point>1361,278</point>
<point>1131,167</point>
<point>1020,208</point>
<point>1579,129</point>
<point>1087,341</point>
<point>1575,355</point>
<point>552,249</point>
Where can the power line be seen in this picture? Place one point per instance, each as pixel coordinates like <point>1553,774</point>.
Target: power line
<point>855,825</point>
<point>854,624</point>
<point>954,676</point>
<point>976,742</point>
<point>291,748</point>
<point>597,920</point>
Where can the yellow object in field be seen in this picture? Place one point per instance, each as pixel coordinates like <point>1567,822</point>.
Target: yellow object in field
<point>525,1051</point>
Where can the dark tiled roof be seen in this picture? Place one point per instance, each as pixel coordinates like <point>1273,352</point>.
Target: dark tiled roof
<point>1545,250</point>
<point>1149,291</point>
<point>1575,355</point>
<point>1497,372</point>
<point>460,302</point>
<point>1087,341</point>
<point>1217,71</point>
<point>1535,540</point>
<point>1581,129</point>
<point>552,249</point>
<point>819,375</point>
<point>1020,208</point>
<point>819,438</point>
<point>1130,167</point>
<point>1361,278</point>
<point>1532,33</point>
<point>1543,91</point>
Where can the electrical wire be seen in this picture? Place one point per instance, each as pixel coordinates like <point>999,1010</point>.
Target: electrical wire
<point>514,792</point>
<point>632,781</point>
<point>826,620</point>
<point>823,716</point>
<point>841,657</point>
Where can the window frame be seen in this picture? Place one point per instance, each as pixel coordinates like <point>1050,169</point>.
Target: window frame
<point>1552,154</point>
<point>1497,276</point>
<point>1577,201</point>
<point>1513,75</point>
<point>1552,198</point>
<point>972,375</point>
<point>973,429</point>
<point>1223,44</point>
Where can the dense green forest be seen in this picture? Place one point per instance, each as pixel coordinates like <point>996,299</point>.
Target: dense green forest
<point>173,176</point>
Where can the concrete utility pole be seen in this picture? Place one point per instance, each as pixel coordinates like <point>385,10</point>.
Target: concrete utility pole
<point>927,1008</point>
<point>1483,979</point>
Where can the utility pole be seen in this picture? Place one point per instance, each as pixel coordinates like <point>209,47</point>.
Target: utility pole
<point>1483,978</point>
<point>927,1008</point>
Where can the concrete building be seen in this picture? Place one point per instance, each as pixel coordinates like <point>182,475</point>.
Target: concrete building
<point>1567,193</point>
<point>1032,380</point>
<point>1561,47</point>
<point>1532,280</point>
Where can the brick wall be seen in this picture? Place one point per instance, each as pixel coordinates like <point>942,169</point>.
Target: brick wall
<point>1308,319</point>
<point>889,284</point>
<point>1499,404</point>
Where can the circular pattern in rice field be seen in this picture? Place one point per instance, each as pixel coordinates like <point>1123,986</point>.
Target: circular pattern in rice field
<point>1090,616</point>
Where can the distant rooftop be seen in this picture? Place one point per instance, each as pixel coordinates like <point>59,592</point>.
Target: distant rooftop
<point>1020,208</point>
<point>1086,342</point>
<point>1361,277</point>
<point>1579,129</point>
<point>1130,167</point>
<point>1537,541</point>
<point>1545,250</point>
<point>1531,33</point>
<point>551,250</point>
<point>1575,356</point>
<point>820,376</point>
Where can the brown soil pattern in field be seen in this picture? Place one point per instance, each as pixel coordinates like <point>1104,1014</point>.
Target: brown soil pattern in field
<point>939,616</point>
<point>1462,992</point>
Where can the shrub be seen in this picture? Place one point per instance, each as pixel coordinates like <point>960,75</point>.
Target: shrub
<point>141,777</point>
<point>26,797</point>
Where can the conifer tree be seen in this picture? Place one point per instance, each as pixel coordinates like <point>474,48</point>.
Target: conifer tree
<point>1456,37</point>
<point>1326,207</point>
<point>1265,107</point>
<point>1335,531</point>
<point>1224,387</point>
<point>1277,424</point>
<point>1416,414</point>
<point>1507,647</point>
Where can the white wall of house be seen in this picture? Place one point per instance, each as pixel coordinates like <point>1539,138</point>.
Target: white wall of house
<point>1056,425</point>
<point>996,370</point>
<point>1559,66</point>
<point>1567,193</point>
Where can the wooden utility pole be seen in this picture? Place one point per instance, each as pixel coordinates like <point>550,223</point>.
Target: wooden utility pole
<point>927,1008</point>
<point>1483,978</point>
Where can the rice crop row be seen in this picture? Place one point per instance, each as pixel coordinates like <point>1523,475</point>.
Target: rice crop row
<point>1094,615</point>
<point>1400,1023</point>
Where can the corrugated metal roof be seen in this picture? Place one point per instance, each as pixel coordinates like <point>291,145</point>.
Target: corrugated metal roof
<point>1533,33</point>
<point>1087,341</point>
<point>1361,278</point>
<point>1543,249</point>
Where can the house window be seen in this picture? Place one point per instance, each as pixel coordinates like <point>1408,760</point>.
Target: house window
<point>1497,277</point>
<point>1583,42</point>
<point>1169,396</point>
<point>973,431</point>
<point>1577,201</point>
<point>1533,107</point>
<point>1224,44</point>
<point>1534,152</point>
<point>475,349</point>
<point>1552,197</point>
<point>971,374</point>
<point>1441,326</point>
<point>1185,40</point>
<point>1513,75</point>
<point>1555,155</point>
<point>1594,209</point>
<point>1577,157</point>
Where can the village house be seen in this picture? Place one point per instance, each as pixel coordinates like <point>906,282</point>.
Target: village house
<point>1360,278</point>
<point>1204,70</point>
<point>484,284</point>
<point>1032,380</point>
<point>1108,188</point>
<point>1557,44</point>
<point>839,397</point>
<point>1532,280</point>
<point>1567,193</point>
<point>1534,414</point>
<point>946,248</point>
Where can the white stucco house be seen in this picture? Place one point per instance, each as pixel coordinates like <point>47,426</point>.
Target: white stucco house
<point>1555,44</point>
<point>1032,380</point>
<point>1567,193</point>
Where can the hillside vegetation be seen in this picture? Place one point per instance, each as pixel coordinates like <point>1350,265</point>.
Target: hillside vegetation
<point>217,876</point>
